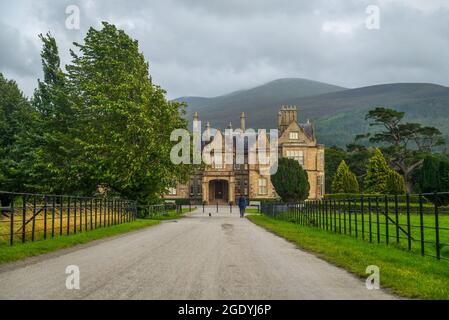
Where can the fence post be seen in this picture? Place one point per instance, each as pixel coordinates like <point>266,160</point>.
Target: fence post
<point>396,211</point>
<point>33,225</point>
<point>68,215</point>
<point>11,221</point>
<point>370,221</point>
<point>24,213</point>
<point>363,217</point>
<point>356,226</point>
<point>75,202</point>
<point>91,215</point>
<point>45,217</point>
<point>61,214</point>
<point>350,217</point>
<point>339,216</point>
<point>377,220</point>
<point>437,230</point>
<point>53,217</point>
<point>387,228</point>
<point>344,216</point>
<point>409,232</point>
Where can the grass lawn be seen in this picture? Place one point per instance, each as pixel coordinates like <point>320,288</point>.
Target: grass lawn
<point>251,210</point>
<point>406,274</point>
<point>31,249</point>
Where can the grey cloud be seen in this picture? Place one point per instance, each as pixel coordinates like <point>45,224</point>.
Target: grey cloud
<point>213,47</point>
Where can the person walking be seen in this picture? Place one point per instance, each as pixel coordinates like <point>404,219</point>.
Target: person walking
<point>242,206</point>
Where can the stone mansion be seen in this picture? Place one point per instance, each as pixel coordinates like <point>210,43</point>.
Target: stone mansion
<point>224,183</point>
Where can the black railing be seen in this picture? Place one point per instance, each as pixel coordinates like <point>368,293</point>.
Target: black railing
<point>417,223</point>
<point>159,210</point>
<point>30,217</point>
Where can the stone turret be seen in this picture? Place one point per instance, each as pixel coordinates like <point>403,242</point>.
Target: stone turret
<point>287,115</point>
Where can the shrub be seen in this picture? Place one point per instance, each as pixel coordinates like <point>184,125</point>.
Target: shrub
<point>291,181</point>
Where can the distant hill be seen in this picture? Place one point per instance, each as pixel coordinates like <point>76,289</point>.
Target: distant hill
<point>260,103</point>
<point>339,113</point>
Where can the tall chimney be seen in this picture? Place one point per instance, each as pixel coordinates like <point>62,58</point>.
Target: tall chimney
<point>243,122</point>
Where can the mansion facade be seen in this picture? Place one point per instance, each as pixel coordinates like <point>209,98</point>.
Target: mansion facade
<point>224,183</point>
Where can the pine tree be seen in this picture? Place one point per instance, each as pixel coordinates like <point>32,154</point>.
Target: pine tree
<point>291,181</point>
<point>377,174</point>
<point>344,180</point>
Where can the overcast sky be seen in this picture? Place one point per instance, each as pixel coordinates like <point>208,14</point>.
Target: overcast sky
<point>212,47</point>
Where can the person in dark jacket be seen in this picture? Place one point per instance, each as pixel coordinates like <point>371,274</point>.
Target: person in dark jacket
<point>242,206</point>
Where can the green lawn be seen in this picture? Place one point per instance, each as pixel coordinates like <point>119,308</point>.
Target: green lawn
<point>406,274</point>
<point>376,228</point>
<point>251,210</point>
<point>31,249</point>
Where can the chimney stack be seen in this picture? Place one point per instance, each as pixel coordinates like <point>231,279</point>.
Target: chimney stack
<point>243,122</point>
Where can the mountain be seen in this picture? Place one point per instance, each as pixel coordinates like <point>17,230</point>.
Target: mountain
<point>258,103</point>
<point>339,114</point>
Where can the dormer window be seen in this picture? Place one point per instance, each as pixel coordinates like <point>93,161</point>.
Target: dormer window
<point>294,135</point>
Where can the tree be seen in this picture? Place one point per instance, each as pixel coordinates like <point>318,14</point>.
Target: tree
<point>333,157</point>
<point>57,151</point>
<point>395,183</point>
<point>16,117</point>
<point>291,181</point>
<point>434,178</point>
<point>377,173</point>
<point>125,121</point>
<point>344,180</point>
<point>405,143</point>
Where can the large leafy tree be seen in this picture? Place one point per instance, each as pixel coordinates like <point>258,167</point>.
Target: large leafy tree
<point>291,181</point>
<point>405,143</point>
<point>125,120</point>
<point>16,117</point>
<point>57,152</point>
<point>344,181</point>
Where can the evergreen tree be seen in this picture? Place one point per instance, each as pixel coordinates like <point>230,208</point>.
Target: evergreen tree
<point>395,183</point>
<point>377,174</point>
<point>344,180</point>
<point>434,178</point>
<point>291,181</point>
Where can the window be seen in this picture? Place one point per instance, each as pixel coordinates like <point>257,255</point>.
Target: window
<point>238,187</point>
<point>296,155</point>
<point>320,186</point>
<point>172,191</point>
<point>245,187</point>
<point>294,135</point>
<point>263,190</point>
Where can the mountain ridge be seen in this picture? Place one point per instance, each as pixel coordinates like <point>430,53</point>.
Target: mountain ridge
<point>339,113</point>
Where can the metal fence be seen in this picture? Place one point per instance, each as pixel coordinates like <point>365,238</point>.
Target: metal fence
<point>159,210</point>
<point>417,223</point>
<point>30,217</point>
